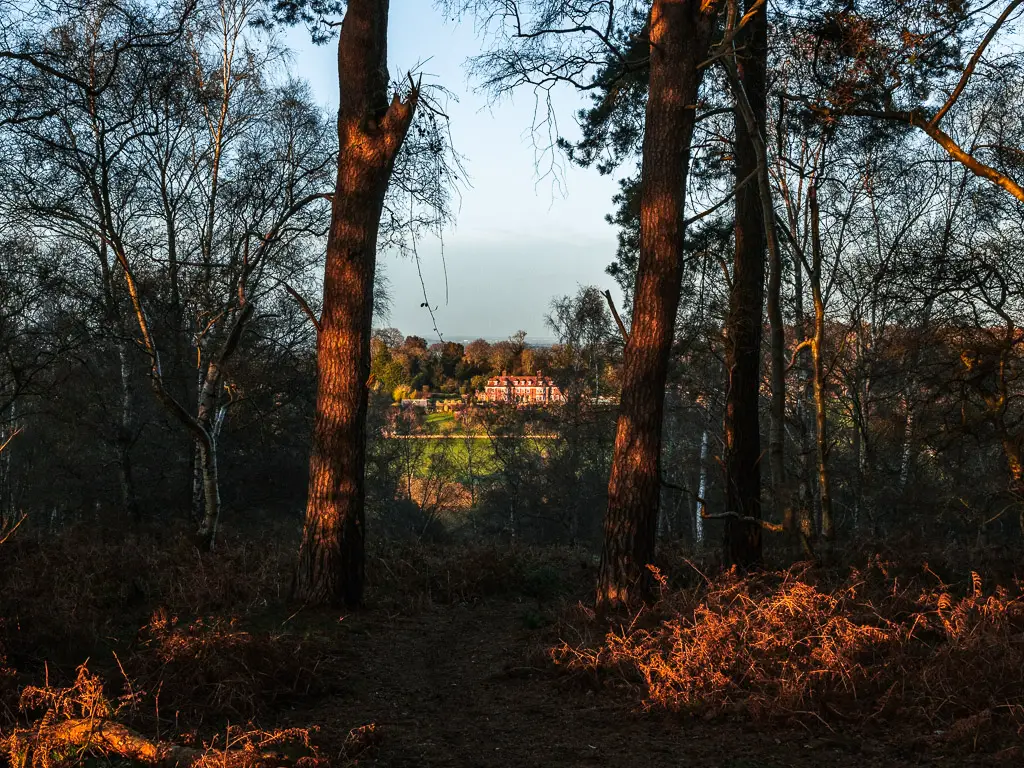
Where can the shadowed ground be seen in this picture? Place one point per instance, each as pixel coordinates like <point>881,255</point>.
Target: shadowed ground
<point>466,686</point>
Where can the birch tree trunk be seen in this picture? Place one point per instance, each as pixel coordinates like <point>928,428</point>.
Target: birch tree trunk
<point>702,488</point>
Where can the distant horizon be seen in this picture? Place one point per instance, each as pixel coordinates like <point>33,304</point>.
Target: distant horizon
<point>461,338</point>
<point>529,227</point>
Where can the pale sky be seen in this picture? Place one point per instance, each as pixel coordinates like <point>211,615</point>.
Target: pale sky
<point>518,241</point>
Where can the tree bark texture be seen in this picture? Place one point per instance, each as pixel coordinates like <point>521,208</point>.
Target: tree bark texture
<point>680,32</point>
<point>370,132</point>
<point>746,311</point>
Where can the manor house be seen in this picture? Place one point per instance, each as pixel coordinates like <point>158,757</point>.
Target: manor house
<point>538,389</point>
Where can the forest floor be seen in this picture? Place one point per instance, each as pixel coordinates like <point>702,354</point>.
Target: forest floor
<point>450,664</point>
<point>467,685</point>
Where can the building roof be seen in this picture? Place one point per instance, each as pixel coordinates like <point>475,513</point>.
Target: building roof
<point>528,380</point>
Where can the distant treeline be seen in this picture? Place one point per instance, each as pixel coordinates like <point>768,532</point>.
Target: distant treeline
<point>584,357</point>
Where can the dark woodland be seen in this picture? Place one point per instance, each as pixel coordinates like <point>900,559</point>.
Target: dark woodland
<point>766,509</point>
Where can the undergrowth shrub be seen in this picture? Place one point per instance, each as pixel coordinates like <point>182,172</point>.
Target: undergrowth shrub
<point>199,631</point>
<point>64,725</point>
<point>214,667</point>
<point>786,644</point>
<point>214,635</point>
<point>66,596</point>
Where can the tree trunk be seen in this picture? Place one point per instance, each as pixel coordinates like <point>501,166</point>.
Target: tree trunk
<point>861,423</point>
<point>129,503</point>
<point>855,460</point>
<point>777,429</point>
<point>207,478</point>
<point>207,531</point>
<point>702,488</point>
<point>907,454</point>
<point>469,442</point>
<point>798,510</point>
<point>196,504</point>
<point>680,32</point>
<point>197,507</point>
<point>817,349</point>
<point>370,133</point>
<point>746,301</point>
<point>821,428</point>
<point>178,365</point>
<point>6,475</point>
<point>210,417</point>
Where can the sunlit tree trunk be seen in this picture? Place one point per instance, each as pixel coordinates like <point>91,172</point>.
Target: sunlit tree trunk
<point>680,32</point>
<point>370,132</point>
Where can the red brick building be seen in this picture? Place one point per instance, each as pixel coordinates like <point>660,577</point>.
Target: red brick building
<point>536,389</point>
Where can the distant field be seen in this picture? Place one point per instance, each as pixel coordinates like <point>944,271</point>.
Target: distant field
<point>458,449</point>
<point>438,418</point>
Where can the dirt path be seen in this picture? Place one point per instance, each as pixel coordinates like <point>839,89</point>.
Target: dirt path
<point>456,686</point>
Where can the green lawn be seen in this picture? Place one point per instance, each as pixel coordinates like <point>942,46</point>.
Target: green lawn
<point>459,449</point>
<point>435,421</point>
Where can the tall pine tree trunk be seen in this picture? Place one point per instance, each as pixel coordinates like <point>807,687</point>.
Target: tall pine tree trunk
<point>370,133</point>
<point>746,306</point>
<point>680,32</point>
